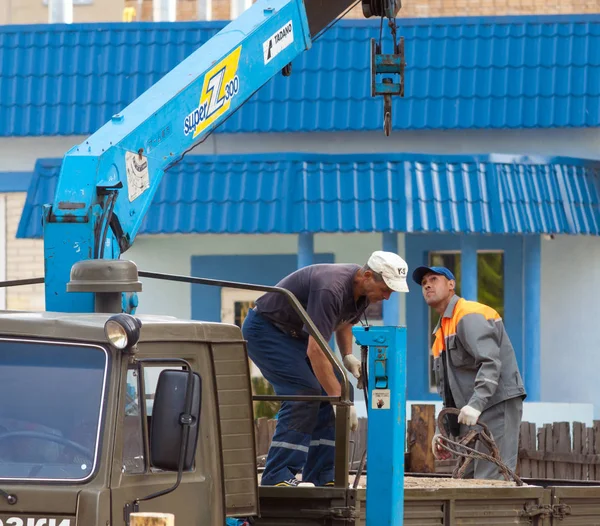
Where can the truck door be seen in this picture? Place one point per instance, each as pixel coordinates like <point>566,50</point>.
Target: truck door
<point>199,498</point>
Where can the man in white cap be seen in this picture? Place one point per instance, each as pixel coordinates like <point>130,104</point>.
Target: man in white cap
<point>335,296</point>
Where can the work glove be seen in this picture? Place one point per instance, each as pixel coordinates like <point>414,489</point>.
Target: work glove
<point>439,452</point>
<point>353,417</point>
<point>352,364</point>
<point>468,416</point>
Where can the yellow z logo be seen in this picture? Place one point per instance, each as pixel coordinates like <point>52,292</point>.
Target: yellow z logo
<point>221,84</point>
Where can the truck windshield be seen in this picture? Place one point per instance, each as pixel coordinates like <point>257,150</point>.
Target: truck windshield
<point>52,397</point>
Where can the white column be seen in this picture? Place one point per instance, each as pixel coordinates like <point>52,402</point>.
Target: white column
<point>60,11</point>
<point>164,10</point>
<point>238,7</point>
<point>204,9</point>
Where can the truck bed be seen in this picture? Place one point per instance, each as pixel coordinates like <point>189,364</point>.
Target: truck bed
<point>439,501</point>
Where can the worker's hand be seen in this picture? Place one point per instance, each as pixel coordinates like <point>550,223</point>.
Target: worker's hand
<point>439,452</point>
<point>352,364</point>
<point>353,417</point>
<point>468,416</point>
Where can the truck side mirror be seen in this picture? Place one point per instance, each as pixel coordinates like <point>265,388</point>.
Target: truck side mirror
<point>168,413</point>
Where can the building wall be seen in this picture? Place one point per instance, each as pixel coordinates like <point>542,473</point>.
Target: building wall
<point>36,11</point>
<point>175,298</point>
<point>20,154</point>
<point>187,9</point>
<point>569,314</point>
<point>24,259</point>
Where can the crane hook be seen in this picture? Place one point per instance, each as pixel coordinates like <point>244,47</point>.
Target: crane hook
<point>393,64</point>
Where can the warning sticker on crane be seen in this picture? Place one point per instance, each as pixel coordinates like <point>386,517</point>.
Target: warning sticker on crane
<point>281,39</point>
<point>221,84</point>
<point>380,399</point>
<point>138,180</point>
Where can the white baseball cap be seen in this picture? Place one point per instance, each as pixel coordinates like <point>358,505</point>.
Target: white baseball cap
<point>392,268</point>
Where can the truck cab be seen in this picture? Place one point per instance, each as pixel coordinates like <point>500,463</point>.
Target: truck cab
<point>91,419</point>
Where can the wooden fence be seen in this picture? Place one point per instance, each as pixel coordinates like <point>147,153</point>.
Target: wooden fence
<point>554,451</point>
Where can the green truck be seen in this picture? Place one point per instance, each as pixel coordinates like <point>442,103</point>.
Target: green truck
<point>108,413</point>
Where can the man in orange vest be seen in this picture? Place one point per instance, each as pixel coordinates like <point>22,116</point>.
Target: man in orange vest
<point>475,369</point>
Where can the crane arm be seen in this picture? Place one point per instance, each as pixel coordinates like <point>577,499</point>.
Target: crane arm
<point>107,183</point>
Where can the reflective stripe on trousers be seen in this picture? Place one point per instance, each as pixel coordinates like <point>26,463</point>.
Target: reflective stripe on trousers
<point>305,433</point>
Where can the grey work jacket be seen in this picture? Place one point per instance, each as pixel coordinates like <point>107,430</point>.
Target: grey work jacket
<point>482,367</point>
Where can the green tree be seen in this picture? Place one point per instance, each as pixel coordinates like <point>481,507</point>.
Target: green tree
<point>264,409</point>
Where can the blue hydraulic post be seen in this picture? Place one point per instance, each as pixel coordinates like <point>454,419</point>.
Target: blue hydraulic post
<point>386,379</point>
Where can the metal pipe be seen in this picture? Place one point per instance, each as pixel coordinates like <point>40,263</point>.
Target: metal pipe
<point>342,438</point>
<point>295,398</point>
<point>108,302</point>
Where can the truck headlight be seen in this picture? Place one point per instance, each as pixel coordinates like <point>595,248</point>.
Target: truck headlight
<point>122,330</point>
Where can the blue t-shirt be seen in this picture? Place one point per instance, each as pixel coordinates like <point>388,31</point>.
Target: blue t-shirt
<point>326,293</point>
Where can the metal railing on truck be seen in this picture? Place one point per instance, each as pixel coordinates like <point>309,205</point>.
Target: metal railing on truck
<point>342,428</point>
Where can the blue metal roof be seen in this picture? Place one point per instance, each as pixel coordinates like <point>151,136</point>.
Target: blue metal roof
<point>500,72</point>
<point>290,193</point>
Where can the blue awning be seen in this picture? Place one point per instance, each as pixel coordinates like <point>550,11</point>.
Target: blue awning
<point>292,193</point>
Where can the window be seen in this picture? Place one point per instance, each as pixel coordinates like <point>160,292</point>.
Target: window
<point>133,437</point>
<point>490,287</point>
<point>53,397</point>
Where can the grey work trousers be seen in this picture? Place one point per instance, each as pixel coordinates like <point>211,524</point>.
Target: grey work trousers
<point>504,423</point>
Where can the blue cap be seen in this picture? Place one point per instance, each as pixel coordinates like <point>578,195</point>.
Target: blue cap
<point>419,273</point>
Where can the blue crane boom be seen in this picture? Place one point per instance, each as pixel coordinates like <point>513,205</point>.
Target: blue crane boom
<point>106,184</point>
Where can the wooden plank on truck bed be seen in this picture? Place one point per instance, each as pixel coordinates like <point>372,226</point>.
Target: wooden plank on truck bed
<point>422,430</point>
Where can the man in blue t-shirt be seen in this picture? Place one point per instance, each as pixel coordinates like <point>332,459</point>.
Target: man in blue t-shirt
<point>335,296</point>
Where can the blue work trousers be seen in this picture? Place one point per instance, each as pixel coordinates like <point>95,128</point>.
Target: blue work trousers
<point>304,438</point>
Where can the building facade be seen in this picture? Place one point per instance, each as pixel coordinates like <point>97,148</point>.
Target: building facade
<point>36,11</point>
<point>490,169</point>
